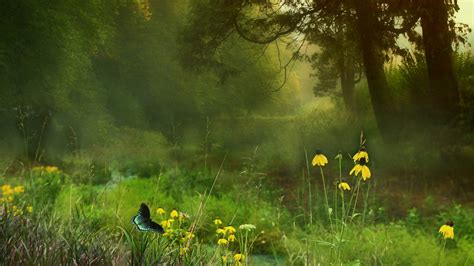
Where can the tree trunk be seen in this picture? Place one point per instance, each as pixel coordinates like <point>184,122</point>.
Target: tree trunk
<point>437,41</point>
<point>373,58</point>
<point>347,73</point>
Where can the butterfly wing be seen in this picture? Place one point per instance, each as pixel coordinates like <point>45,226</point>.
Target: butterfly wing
<point>144,211</point>
<point>140,222</point>
<point>143,222</point>
<point>152,226</point>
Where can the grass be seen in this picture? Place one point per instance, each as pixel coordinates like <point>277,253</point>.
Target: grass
<point>78,221</point>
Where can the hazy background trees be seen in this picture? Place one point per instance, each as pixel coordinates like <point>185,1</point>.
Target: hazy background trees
<point>86,77</point>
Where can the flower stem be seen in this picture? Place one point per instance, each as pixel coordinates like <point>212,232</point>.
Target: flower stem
<point>365,203</point>
<point>326,197</point>
<point>310,200</point>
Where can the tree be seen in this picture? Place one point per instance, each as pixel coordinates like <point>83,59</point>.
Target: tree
<point>437,43</point>
<point>338,57</point>
<point>264,22</point>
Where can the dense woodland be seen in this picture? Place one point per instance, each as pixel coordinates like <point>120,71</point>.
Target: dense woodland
<point>248,90</point>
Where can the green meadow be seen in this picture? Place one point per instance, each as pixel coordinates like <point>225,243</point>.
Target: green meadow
<point>160,132</point>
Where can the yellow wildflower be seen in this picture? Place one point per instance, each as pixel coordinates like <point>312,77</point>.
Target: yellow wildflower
<point>51,169</point>
<point>183,251</point>
<point>161,211</point>
<point>167,223</point>
<point>9,199</point>
<point>220,231</point>
<point>224,259</point>
<point>319,159</point>
<point>190,235</point>
<point>229,229</point>
<point>358,168</point>
<point>19,189</point>
<point>231,238</point>
<point>29,209</point>
<point>168,232</point>
<point>222,242</point>
<point>239,257</point>
<point>447,230</point>
<point>217,221</point>
<point>344,186</point>
<point>362,153</point>
<point>174,214</point>
<point>16,211</point>
<point>7,190</point>
<point>183,216</point>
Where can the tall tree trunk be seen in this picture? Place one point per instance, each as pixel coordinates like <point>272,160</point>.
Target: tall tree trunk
<point>373,58</point>
<point>437,41</point>
<point>347,73</point>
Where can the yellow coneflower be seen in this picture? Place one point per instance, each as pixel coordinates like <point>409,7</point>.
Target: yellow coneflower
<point>222,242</point>
<point>229,229</point>
<point>359,168</point>
<point>19,189</point>
<point>447,230</point>
<point>167,223</point>
<point>220,231</point>
<point>344,186</point>
<point>319,159</point>
<point>238,258</point>
<point>231,238</point>
<point>161,211</point>
<point>362,153</point>
<point>174,214</point>
<point>7,190</point>
<point>217,221</point>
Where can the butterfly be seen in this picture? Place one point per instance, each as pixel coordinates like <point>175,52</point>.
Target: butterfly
<point>143,221</point>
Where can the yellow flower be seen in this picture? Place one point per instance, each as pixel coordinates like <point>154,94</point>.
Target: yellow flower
<point>220,231</point>
<point>319,159</point>
<point>190,235</point>
<point>161,211</point>
<point>7,190</point>
<point>174,214</point>
<point>217,221</point>
<point>239,257</point>
<point>9,199</point>
<point>183,251</point>
<point>231,238</point>
<point>19,189</point>
<point>16,211</point>
<point>51,169</point>
<point>29,209</point>
<point>168,232</point>
<point>344,186</point>
<point>447,230</point>
<point>222,242</point>
<point>167,223</point>
<point>362,153</point>
<point>224,259</point>
<point>183,216</point>
<point>358,168</point>
<point>229,229</point>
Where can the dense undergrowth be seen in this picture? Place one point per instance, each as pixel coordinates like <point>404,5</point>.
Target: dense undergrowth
<point>57,218</point>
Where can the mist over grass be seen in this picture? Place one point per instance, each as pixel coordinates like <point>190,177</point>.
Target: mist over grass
<point>100,112</point>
